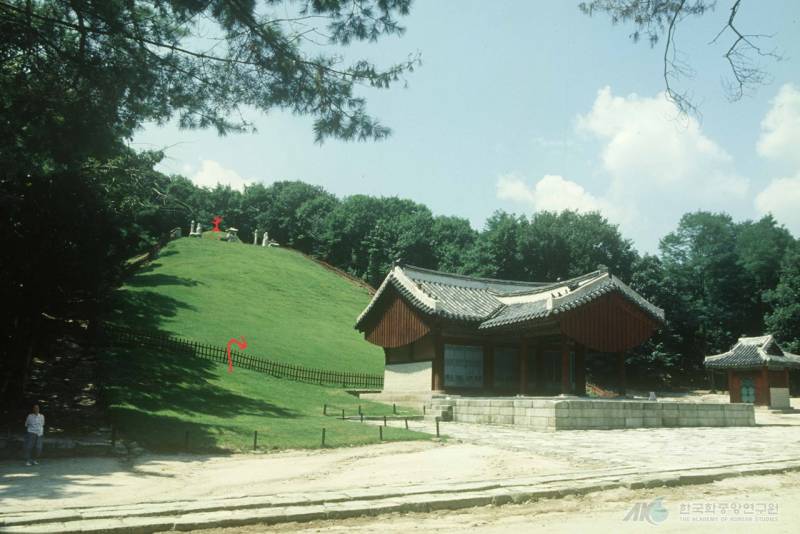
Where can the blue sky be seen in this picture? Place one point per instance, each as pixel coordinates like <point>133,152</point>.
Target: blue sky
<point>525,106</point>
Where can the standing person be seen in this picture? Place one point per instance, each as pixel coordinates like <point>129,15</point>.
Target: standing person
<point>34,424</point>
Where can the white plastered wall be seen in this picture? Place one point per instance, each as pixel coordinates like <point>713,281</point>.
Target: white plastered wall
<point>415,373</point>
<point>406,377</point>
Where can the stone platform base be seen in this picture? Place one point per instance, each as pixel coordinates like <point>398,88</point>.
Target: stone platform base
<point>551,413</point>
<point>407,399</point>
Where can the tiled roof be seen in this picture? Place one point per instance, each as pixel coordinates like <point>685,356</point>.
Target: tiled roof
<point>751,352</point>
<point>492,303</point>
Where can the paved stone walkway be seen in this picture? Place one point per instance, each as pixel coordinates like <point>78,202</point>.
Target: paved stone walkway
<point>776,436</point>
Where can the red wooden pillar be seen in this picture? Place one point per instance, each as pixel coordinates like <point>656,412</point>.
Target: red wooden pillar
<point>437,368</point>
<point>523,367</point>
<point>566,383</point>
<point>733,391</point>
<point>580,369</point>
<point>621,379</point>
<point>488,366</point>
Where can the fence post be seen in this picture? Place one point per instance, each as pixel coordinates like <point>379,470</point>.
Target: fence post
<point>423,409</point>
<point>255,439</point>
<point>323,436</point>
<point>384,420</point>
<point>362,417</point>
<point>380,433</point>
<point>394,408</point>
<point>406,423</point>
<point>437,427</point>
<point>324,409</point>
<point>359,409</point>
<point>342,414</point>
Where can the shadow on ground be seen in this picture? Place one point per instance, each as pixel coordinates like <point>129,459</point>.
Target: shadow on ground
<point>159,279</point>
<point>150,394</point>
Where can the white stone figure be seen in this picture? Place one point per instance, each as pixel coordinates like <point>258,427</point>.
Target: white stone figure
<point>199,230</point>
<point>265,239</point>
<point>652,396</point>
<point>255,237</point>
<point>191,228</point>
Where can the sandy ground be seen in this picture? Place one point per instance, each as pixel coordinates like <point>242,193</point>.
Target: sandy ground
<point>107,481</point>
<point>474,453</point>
<point>598,512</point>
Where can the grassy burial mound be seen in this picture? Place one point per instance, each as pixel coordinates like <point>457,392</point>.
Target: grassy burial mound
<point>287,308</point>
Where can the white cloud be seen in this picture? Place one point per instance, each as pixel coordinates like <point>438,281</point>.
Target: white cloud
<point>650,147</point>
<point>782,199</point>
<point>780,141</point>
<point>551,193</point>
<point>656,165</point>
<point>212,173</point>
<point>780,129</point>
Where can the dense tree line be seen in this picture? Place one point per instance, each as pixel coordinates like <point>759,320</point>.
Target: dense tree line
<point>716,278</point>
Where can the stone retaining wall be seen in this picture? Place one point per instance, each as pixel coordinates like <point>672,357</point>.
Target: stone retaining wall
<point>578,414</point>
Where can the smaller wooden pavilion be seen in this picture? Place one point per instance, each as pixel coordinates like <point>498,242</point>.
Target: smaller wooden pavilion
<point>758,371</point>
<point>444,332</point>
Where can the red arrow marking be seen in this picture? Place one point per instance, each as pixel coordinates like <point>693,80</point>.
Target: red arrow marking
<point>241,344</point>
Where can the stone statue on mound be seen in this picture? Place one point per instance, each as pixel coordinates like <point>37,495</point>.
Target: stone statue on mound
<point>255,237</point>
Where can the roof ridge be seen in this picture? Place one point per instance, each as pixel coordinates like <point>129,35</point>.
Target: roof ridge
<point>569,281</point>
<point>467,277</point>
<point>543,285</point>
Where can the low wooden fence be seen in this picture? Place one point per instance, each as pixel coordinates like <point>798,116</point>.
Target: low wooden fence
<point>113,334</point>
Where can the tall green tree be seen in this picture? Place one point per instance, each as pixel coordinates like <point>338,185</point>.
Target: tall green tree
<point>760,247</point>
<point>498,251</point>
<point>452,240</point>
<point>784,319</point>
<point>286,214</point>
<point>550,246</point>
<point>714,290</point>
<point>79,77</point>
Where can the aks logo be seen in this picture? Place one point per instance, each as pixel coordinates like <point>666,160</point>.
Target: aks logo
<point>653,512</point>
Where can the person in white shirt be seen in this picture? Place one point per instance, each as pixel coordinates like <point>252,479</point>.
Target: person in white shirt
<point>34,425</point>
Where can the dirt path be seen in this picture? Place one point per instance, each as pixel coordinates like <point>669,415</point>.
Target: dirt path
<point>473,453</point>
<point>107,481</point>
<point>776,495</point>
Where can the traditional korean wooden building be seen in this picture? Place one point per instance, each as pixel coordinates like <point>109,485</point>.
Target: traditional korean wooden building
<point>450,333</point>
<point>758,371</point>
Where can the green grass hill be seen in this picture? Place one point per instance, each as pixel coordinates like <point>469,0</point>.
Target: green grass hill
<point>287,307</point>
